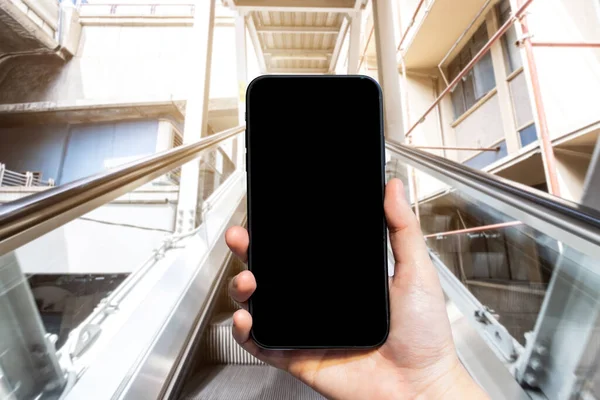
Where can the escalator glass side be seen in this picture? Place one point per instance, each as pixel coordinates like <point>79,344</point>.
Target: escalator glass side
<point>531,283</point>
<point>71,288</point>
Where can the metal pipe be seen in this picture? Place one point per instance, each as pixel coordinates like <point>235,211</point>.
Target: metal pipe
<point>474,61</point>
<point>362,57</point>
<point>497,148</point>
<point>564,44</point>
<point>30,217</point>
<point>406,103</point>
<point>443,75</point>
<point>475,229</point>
<point>413,184</point>
<point>543,131</point>
<point>439,116</point>
<point>410,24</point>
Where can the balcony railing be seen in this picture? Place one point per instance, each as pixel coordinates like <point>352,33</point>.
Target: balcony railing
<point>27,179</point>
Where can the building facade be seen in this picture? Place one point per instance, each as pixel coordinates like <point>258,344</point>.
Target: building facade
<point>508,87</point>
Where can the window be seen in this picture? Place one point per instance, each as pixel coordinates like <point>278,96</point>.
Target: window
<point>479,81</point>
<point>528,135</point>
<point>512,56</point>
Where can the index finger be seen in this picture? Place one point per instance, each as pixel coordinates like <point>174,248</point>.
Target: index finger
<point>237,239</point>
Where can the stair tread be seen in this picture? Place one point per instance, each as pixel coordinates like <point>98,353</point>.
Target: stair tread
<point>249,382</point>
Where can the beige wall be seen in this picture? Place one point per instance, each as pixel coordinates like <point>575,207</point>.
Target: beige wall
<point>125,62</point>
<point>569,78</point>
<point>571,171</point>
<point>480,129</point>
<point>421,91</point>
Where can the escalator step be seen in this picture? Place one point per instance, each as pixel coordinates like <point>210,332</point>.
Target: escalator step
<point>219,347</point>
<point>233,382</point>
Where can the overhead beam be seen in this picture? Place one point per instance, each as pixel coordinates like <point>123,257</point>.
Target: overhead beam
<point>320,57</point>
<point>338,44</point>
<point>256,43</point>
<point>328,30</point>
<point>336,6</point>
<point>354,47</point>
<point>303,71</point>
<point>298,52</point>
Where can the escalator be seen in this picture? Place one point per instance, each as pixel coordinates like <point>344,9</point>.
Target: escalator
<point>223,370</point>
<point>518,268</point>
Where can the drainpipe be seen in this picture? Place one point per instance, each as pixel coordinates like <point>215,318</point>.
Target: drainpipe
<point>436,94</point>
<point>541,121</point>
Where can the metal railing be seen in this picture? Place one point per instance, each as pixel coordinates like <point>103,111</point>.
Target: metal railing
<point>571,223</point>
<point>136,10</point>
<point>30,217</point>
<point>10,178</point>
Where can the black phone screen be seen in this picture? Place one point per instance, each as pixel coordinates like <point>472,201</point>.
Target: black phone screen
<point>315,164</point>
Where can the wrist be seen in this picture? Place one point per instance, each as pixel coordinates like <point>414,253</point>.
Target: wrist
<point>455,383</point>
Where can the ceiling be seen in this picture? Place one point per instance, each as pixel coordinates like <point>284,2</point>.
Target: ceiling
<point>297,36</point>
<point>441,26</point>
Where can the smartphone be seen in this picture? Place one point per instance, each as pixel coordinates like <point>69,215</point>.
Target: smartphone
<point>318,238</point>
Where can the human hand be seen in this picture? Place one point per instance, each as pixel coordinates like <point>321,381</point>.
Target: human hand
<point>418,360</point>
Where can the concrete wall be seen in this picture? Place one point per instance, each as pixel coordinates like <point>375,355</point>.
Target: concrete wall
<point>481,128</point>
<point>93,148</point>
<point>571,171</point>
<point>68,152</point>
<point>112,63</point>
<point>569,78</point>
<point>99,242</point>
<point>35,148</point>
<point>420,96</point>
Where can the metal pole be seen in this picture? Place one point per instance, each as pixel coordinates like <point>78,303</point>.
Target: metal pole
<point>542,123</point>
<point>387,69</point>
<point>2,169</point>
<point>354,48</point>
<point>439,116</point>
<point>475,229</point>
<point>363,55</point>
<point>242,80</point>
<point>458,148</point>
<point>28,178</point>
<point>196,114</point>
<point>413,183</point>
<point>474,61</point>
<point>564,44</point>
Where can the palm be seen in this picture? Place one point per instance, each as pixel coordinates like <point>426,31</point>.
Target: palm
<point>419,351</point>
<point>408,353</point>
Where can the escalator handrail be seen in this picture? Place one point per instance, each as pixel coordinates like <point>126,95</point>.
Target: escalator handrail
<point>30,217</point>
<point>568,216</point>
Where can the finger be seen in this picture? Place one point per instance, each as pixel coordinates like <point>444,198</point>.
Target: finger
<point>237,239</point>
<point>242,324</point>
<point>406,238</point>
<point>241,287</point>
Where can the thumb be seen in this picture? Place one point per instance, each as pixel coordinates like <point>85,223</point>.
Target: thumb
<point>406,238</point>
